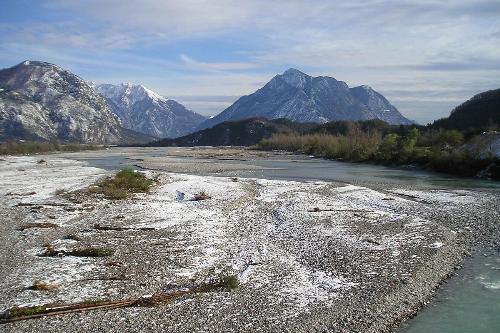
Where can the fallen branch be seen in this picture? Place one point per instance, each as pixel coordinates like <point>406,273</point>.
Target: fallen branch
<point>112,228</point>
<point>316,209</point>
<point>37,225</point>
<point>21,194</point>
<point>110,278</point>
<point>29,204</point>
<point>39,311</point>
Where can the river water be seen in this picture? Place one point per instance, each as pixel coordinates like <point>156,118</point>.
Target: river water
<point>468,303</point>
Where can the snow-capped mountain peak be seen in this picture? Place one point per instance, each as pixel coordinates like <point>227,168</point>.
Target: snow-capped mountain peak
<point>143,110</point>
<point>155,96</point>
<point>295,78</point>
<point>129,93</point>
<point>45,101</point>
<point>299,97</point>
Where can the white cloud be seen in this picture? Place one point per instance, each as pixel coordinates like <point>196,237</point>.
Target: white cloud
<point>403,47</point>
<point>216,66</point>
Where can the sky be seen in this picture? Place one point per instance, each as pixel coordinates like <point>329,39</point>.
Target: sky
<point>424,56</point>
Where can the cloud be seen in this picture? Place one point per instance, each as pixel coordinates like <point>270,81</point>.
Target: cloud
<point>230,48</point>
<point>71,34</point>
<point>217,66</point>
<point>471,65</point>
<point>208,99</point>
<point>206,105</point>
<point>165,19</point>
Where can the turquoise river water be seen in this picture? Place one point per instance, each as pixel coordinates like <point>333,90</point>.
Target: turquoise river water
<point>468,303</point>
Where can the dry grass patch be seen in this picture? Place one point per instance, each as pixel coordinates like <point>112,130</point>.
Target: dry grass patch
<point>124,183</point>
<point>228,282</point>
<point>202,195</point>
<point>92,252</point>
<point>23,311</point>
<point>44,286</point>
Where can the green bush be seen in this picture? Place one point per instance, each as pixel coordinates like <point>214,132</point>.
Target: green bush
<point>124,183</point>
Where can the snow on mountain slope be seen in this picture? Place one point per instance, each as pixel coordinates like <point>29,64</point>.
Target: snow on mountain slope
<point>146,111</point>
<point>45,102</point>
<point>303,98</point>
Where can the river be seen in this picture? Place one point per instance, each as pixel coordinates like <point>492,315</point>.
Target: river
<point>468,302</point>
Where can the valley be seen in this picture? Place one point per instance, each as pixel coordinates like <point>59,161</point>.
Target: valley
<point>253,166</point>
<point>352,254</point>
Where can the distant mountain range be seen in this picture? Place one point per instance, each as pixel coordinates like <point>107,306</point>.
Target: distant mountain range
<point>302,98</point>
<point>145,111</point>
<point>479,112</point>
<point>41,101</point>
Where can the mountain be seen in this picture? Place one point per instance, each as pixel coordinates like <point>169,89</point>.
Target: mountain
<point>145,111</point>
<point>246,132</point>
<point>303,98</point>
<point>41,101</point>
<point>479,112</point>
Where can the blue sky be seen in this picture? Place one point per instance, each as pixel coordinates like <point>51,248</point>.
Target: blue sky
<point>425,56</point>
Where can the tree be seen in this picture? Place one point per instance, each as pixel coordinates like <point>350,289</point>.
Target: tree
<point>388,148</point>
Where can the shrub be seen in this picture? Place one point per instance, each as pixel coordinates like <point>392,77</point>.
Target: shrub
<point>125,182</point>
<point>29,147</point>
<point>229,282</point>
<point>357,146</point>
<point>201,196</point>
<point>45,286</point>
<point>438,150</point>
<point>91,252</point>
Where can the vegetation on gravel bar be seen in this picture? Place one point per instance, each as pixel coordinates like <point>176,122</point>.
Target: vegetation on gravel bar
<point>449,151</point>
<point>201,196</point>
<point>22,311</point>
<point>124,183</point>
<point>29,147</point>
<point>44,286</point>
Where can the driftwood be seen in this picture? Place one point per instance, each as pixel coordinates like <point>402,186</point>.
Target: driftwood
<point>26,313</point>
<point>110,278</point>
<point>21,194</point>
<point>316,209</point>
<point>29,204</point>
<point>113,228</point>
<point>38,225</point>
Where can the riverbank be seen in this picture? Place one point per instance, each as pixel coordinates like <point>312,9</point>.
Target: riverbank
<point>322,255</point>
<point>31,147</point>
<point>444,152</point>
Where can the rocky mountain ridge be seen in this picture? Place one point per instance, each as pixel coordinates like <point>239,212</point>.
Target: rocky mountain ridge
<point>302,98</point>
<point>143,110</point>
<point>42,101</point>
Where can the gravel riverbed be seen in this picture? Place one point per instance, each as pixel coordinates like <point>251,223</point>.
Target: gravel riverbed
<point>309,256</point>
